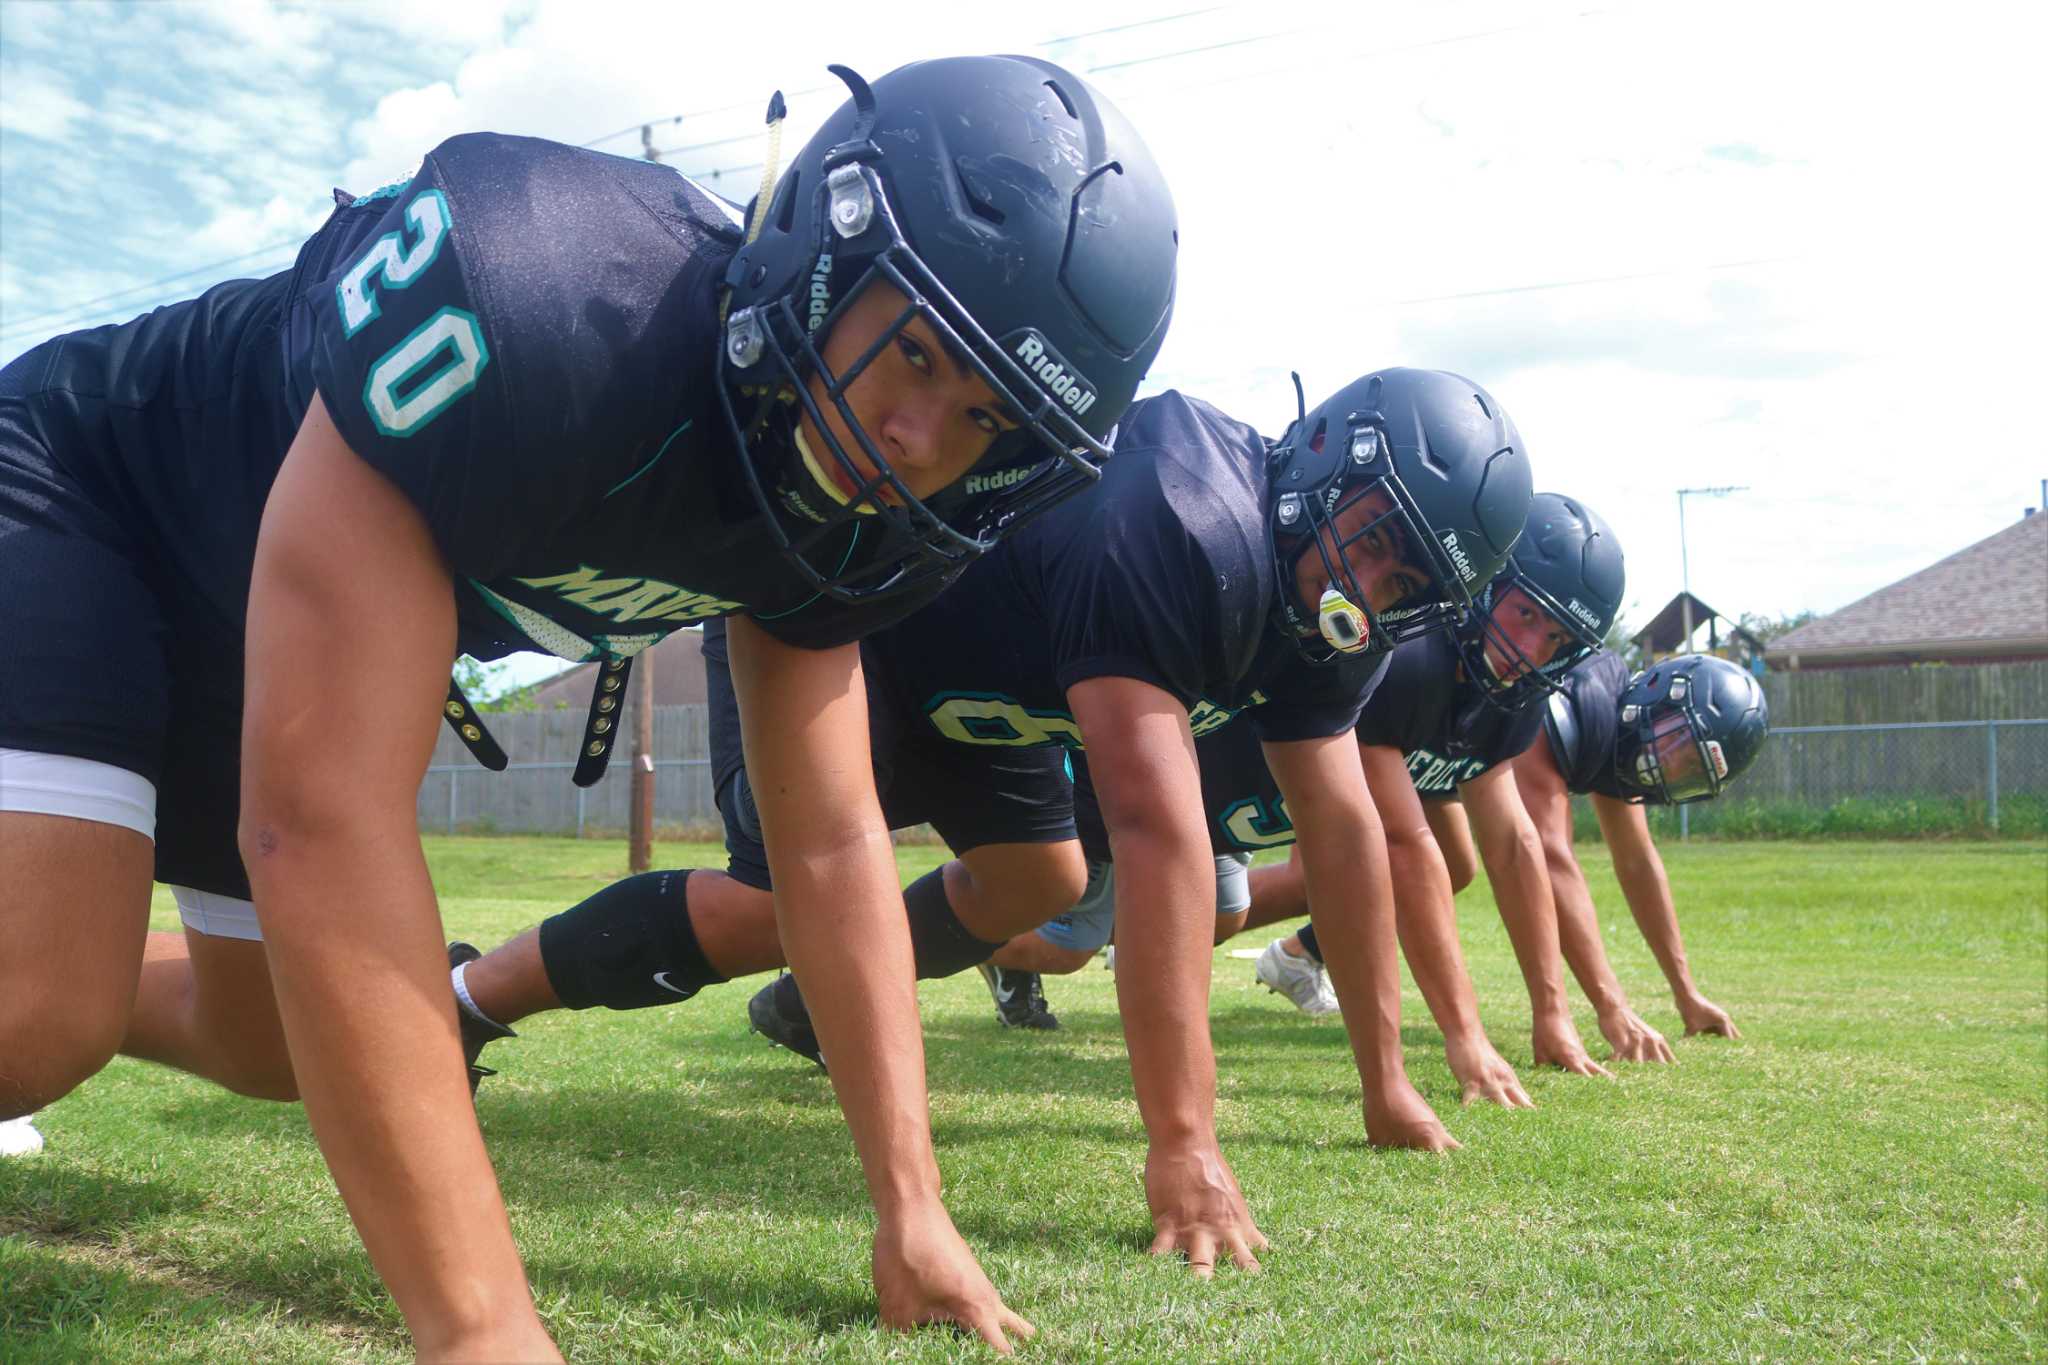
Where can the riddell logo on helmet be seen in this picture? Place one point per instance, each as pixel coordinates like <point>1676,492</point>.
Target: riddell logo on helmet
<point>821,291</point>
<point>1459,558</point>
<point>1584,613</point>
<point>1002,478</point>
<point>1052,373</point>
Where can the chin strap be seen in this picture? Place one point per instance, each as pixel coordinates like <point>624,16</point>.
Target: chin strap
<point>771,165</point>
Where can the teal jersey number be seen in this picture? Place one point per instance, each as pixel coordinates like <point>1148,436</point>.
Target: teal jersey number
<point>432,368</point>
<point>1254,824</point>
<point>397,263</point>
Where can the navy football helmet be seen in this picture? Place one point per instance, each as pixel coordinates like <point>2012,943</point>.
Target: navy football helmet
<point>1457,482</point>
<point>1689,726</point>
<point>1569,563</point>
<point>1022,219</point>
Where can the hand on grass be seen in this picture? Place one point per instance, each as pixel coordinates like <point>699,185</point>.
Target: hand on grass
<point>1555,1042</point>
<point>924,1273</point>
<point>1702,1015</point>
<point>1399,1117</point>
<point>1198,1209</point>
<point>1485,1074</point>
<point>1632,1039</point>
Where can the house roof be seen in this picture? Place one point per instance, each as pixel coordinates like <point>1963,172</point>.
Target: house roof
<point>678,675</point>
<point>1988,600</point>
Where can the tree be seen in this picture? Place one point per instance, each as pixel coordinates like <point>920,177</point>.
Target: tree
<point>485,686</point>
<point>1769,628</point>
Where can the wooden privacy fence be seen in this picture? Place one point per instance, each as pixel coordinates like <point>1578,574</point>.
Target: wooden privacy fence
<point>1916,693</point>
<point>534,794</point>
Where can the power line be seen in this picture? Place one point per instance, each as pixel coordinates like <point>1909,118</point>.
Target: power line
<point>72,315</point>
<point>87,305</point>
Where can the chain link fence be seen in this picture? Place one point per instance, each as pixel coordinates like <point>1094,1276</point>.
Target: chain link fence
<point>1811,781</point>
<point>535,796</point>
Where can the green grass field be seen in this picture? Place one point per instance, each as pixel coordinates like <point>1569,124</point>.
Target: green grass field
<point>1863,1176</point>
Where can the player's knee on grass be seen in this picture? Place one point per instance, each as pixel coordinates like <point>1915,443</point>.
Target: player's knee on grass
<point>49,1047</point>
<point>75,913</point>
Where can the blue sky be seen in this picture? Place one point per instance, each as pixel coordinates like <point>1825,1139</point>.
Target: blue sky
<point>1791,247</point>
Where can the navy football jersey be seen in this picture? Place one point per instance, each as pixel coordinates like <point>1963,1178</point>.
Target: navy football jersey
<point>1581,722</point>
<point>1446,730</point>
<point>1240,799</point>
<point>1160,573</point>
<point>522,339</point>
<point>1447,733</point>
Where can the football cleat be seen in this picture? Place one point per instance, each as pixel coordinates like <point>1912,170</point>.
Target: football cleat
<point>1300,979</point>
<point>1019,997</point>
<point>476,1032</point>
<point>778,1013</point>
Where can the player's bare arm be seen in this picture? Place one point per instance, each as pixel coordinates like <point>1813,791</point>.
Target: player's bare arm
<point>1578,926</point>
<point>1640,871</point>
<point>1426,919</point>
<point>1142,755</point>
<point>1513,856</point>
<point>1344,863</point>
<point>839,913</point>
<point>351,632</point>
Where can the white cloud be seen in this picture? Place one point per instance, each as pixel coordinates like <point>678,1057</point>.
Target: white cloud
<point>1792,245</point>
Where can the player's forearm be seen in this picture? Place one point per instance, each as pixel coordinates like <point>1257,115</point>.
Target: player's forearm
<point>1165,911</point>
<point>1578,932</point>
<point>1521,889</point>
<point>1425,917</point>
<point>1346,872</point>
<point>842,926</point>
<point>355,952</point>
<point>1648,893</point>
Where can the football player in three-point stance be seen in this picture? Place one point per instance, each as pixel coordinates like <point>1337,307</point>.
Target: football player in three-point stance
<point>1125,621</point>
<point>1462,712</point>
<point>532,397</point>
<point>1626,743</point>
<point>1679,731</point>
<point>1451,709</point>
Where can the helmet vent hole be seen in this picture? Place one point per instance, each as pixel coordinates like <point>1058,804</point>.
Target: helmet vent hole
<point>785,215</point>
<point>1061,95</point>
<point>979,201</point>
<point>1480,399</point>
<point>1315,442</point>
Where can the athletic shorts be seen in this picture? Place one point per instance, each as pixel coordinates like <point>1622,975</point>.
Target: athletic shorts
<point>105,658</point>
<point>973,795</point>
<point>1087,926</point>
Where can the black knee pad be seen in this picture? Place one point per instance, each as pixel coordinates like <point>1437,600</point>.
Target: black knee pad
<point>628,947</point>
<point>938,940</point>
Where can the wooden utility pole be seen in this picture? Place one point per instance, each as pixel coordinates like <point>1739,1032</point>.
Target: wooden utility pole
<point>640,840</point>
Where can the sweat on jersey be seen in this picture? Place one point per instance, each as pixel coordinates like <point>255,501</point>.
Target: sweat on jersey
<point>1161,573</point>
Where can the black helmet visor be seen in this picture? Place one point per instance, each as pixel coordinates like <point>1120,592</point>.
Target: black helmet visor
<point>1675,758</point>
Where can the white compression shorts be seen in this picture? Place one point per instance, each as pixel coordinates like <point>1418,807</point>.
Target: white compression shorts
<point>57,784</point>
